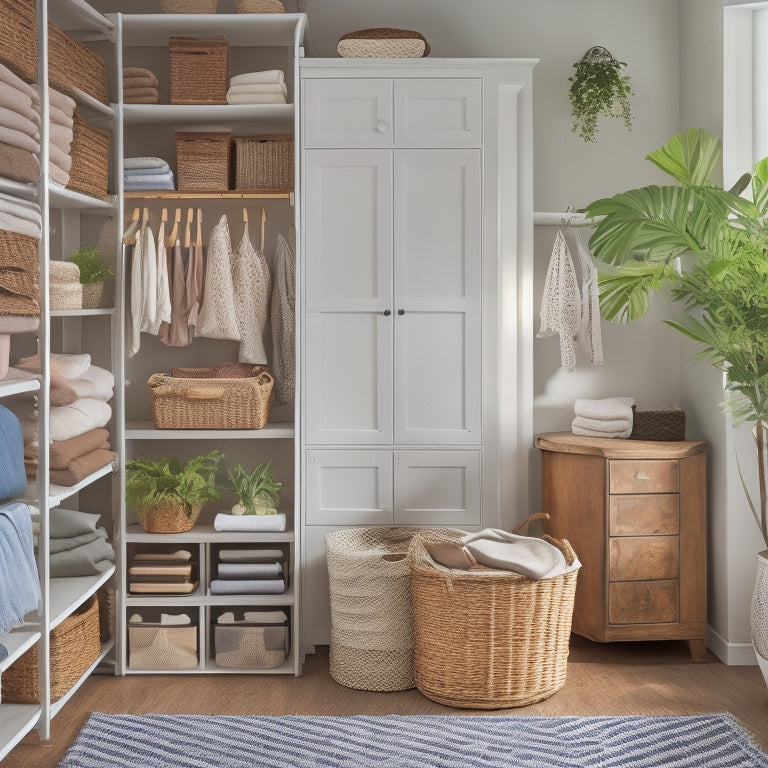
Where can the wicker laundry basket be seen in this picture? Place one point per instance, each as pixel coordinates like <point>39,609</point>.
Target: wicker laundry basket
<point>264,162</point>
<point>198,70</point>
<point>371,612</point>
<point>487,639</point>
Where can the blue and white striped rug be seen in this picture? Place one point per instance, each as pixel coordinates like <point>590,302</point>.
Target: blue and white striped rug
<point>199,741</point>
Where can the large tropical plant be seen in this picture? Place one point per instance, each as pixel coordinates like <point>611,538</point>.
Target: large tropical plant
<point>707,248</point>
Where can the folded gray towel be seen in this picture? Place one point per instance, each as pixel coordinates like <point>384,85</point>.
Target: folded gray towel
<point>87,560</point>
<point>149,182</point>
<point>131,163</point>
<point>250,570</point>
<point>65,545</point>
<point>247,587</point>
<point>66,523</point>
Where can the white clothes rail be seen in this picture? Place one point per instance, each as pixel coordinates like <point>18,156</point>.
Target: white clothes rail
<point>558,218</point>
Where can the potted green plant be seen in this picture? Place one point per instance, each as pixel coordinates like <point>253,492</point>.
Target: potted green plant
<point>707,248</point>
<point>257,491</point>
<point>599,86</point>
<point>168,495</point>
<point>93,272</point>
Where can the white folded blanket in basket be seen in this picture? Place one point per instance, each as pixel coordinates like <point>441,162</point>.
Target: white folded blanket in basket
<point>227,522</point>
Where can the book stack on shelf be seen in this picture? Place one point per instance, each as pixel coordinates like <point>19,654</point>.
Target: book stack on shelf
<point>162,573</point>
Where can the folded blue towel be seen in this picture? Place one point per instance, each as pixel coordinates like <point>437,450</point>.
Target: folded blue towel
<point>128,172</point>
<point>13,478</point>
<point>19,582</point>
<point>149,182</point>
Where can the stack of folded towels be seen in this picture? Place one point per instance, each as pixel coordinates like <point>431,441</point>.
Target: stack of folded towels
<point>78,547</point>
<point>139,86</point>
<point>79,412</point>
<point>65,290</point>
<point>266,87</point>
<point>19,128</point>
<point>142,173</point>
<point>61,110</point>
<point>249,571</point>
<point>160,573</point>
<point>609,417</point>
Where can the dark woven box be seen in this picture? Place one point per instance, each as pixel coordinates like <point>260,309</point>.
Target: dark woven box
<point>664,425</point>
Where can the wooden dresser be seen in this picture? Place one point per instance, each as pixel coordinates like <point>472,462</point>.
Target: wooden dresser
<point>635,513</point>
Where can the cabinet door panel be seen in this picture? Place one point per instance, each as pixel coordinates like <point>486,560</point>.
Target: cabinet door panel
<point>347,113</point>
<point>437,488</point>
<point>349,488</point>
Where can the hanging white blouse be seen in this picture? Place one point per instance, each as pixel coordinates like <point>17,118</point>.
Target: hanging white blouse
<point>134,340</point>
<point>163,296</point>
<point>148,279</point>
<point>217,318</point>
<point>284,322</point>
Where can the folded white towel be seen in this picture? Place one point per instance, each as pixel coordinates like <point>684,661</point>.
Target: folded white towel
<point>258,88</point>
<point>603,425</point>
<point>96,382</point>
<point>265,76</point>
<point>256,98</point>
<point>174,620</point>
<point>607,408</point>
<point>594,433</point>
<point>11,222</point>
<point>22,208</point>
<point>226,522</point>
<point>131,163</point>
<point>253,555</point>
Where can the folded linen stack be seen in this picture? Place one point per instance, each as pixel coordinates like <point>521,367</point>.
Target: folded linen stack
<point>609,417</point>
<point>250,571</point>
<point>265,87</point>
<point>61,110</point>
<point>140,86</point>
<point>66,291</point>
<point>162,573</point>
<point>19,128</point>
<point>142,173</point>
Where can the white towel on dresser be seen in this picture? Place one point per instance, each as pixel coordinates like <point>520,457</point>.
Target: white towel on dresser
<point>606,409</point>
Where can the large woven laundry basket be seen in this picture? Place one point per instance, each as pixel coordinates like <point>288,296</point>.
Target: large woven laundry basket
<point>371,611</point>
<point>487,639</point>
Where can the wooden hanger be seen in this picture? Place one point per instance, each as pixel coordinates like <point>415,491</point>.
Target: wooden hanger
<point>187,236</point>
<point>144,219</point>
<point>164,215</point>
<point>170,241</point>
<point>199,237</point>
<point>129,238</point>
<point>263,227</point>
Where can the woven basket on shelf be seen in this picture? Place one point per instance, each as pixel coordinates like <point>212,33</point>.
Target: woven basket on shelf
<point>489,639</point>
<point>383,42</point>
<point>18,38</point>
<point>168,518</point>
<point>198,70</point>
<point>90,159</point>
<point>203,161</point>
<point>93,295</point>
<point>664,425</point>
<point>106,597</point>
<point>153,646</point>
<point>73,67</point>
<point>75,645</point>
<point>19,288</point>
<point>210,403</point>
<point>187,6</point>
<point>264,162</point>
<point>259,6</point>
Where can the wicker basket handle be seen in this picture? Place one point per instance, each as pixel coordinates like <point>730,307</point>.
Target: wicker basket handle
<point>564,546</point>
<point>206,393</point>
<point>531,518</point>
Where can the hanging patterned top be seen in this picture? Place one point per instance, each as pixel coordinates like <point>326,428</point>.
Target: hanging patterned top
<point>284,322</point>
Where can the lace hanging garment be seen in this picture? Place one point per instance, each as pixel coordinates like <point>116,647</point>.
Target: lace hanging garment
<point>284,322</point>
<point>561,303</point>
<point>250,278</point>
<point>589,339</point>
<point>218,319</point>
<point>163,296</point>
<point>148,279</point>
<point>134,332</point>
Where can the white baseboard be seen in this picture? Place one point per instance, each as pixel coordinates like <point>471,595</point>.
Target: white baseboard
<point>732,654</point>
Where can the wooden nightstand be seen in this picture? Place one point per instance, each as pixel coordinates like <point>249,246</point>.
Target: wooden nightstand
<point>635,513</point>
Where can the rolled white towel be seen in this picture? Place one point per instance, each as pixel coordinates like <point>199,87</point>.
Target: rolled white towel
<point>606,409</point>
<point>265,76</point>
<point>600,425</point>
<point>135,619</point>
<point>226,522</point>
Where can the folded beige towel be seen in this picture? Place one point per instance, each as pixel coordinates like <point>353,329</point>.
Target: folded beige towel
<point>64,452</point>
<point>19,102</point>
<point>6,76</point>
<point>10,222</point>
<point>256,98</point>
<point>59,175</point>
<point>81,467</point>
<point>265,76</point>
<point>59,117</point>
<point>129,99</point>
<point>258,88</point>
<point>60,158</point>
<point>138,72</point>
<point>143,91</point>
<point>60,136</point>
<point>60,100</point>
<point>19,139</point>
<point>16,121</point>
<point>145,81</point>
<point>19,164</point>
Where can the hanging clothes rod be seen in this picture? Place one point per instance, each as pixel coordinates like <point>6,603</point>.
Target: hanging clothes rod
<point>559,218</point>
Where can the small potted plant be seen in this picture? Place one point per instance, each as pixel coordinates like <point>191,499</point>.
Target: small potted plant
<point>599,86</point>
<point>93,272</point>
<point>168,495</point>
<point>257,491</point>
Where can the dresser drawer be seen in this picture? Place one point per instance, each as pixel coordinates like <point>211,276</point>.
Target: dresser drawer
<point>644,476</point>
<point>643,514</point>
<point>642,558</point>
<point>643,602</point>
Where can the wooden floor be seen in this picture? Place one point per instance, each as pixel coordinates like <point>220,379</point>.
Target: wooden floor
<point>611,679</point>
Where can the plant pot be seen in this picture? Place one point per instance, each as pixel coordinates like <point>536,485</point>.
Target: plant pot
<point>93,295</point>
<point>759,616</point>
<point>168,518</point>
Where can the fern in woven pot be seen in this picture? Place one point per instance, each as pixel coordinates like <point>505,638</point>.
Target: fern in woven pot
<point>167,495</point>
<point>93,273</point>
<point>705,247</point>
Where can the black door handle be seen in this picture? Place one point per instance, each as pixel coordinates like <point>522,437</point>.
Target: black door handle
<point>400,311</point>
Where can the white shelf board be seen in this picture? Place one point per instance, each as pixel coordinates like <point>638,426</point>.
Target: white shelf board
<point>17,386</point>
<point>68,593</point>
<point>57,705</point>
<point>16,721</point>
<point>249,30</point>
<point>80,20</point>
<point>59,493</point>
<point>145,430</point>
<point>193,601</point>
<point>205,533</point>
<point>82,312</point>
<point>18,189</point>
<point>17,644</point>
<point>66,199</point>
<point>276,117</point>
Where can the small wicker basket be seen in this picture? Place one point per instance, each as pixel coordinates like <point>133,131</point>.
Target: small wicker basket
<point>75,645</point>
<point>264,162</point>
<point>156,646</point>
<point>663,425</point>
<point>259,6</point>
<point>188,6</point>
<point>203,161</point>
<point>210,403</point>
<point>168,518</point>
<point>19,287</point>
<point>383,42</point>
<point>93,295</point>
<point>90,159</point>
<point>198,70</point>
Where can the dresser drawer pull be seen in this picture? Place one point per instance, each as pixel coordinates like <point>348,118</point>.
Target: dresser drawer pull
<point>642,476</point>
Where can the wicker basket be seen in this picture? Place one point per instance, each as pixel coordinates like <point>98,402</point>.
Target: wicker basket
<point>93,295</point>
<point>371,613</point>
<point>90,159</point>
<point>75,645</point>
<point>383,42</point>
<point>168,518</point>
<point>18,38</point>
<point>203,161</point>
<point>19,287</point>
<point>489,639</point>
<point>156,646</point>
<point>664,425</point>
<point>106,597</point>
<point>264,162</point>
<point>73,67</point>
<point>250,645</point>
<point>198,70</point>
<point>259,6</point>
<point>210,403</point>
<point>187,6</point>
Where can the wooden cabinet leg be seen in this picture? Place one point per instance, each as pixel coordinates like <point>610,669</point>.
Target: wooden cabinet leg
<point>698,649</point>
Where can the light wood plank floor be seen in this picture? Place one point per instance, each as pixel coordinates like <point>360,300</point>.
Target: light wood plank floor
<point>610,679</point>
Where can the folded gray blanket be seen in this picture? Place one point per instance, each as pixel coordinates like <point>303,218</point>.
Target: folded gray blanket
<point>65,545</point>
<point>86,560</point>
<point>149,182</point>
<point>66,523</point>
<point>247,587</point>
<point>19,582</point>
<point>250,570</point>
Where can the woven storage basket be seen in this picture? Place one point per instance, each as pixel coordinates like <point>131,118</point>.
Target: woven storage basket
<point>203,161</point>
<point>106,597</point>
<point>264,162</point>
<point>198,70</point>
<point>73,66</point>
<point>19,287</point>
<point>383,42</point>
<point>210,403</point>
<point>371,613</point>
<point>665,425</point>
<point>18,38</point>
<point>168,518</point>
<point>90,159</point>
<point>489,639</point>
<point>259,6</point>
<point>75,645</point>
<point>244,645</point>
<point>188,6</point>
<point>93,295</point>
<point>155,646</point>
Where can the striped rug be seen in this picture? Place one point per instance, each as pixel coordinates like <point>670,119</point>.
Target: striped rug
<point>198,741</point>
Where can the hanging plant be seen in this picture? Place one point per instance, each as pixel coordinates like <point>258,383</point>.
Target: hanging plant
<point>599,86</point>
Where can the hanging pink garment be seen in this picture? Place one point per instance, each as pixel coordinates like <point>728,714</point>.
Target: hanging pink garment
<point>176,334</point>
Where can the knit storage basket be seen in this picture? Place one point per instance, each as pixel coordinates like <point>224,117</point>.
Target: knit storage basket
<point>665,425</point>
<point>74,67</point>
<point>198,70</point>
<point>75,645</point>
<point>259,6</point>
<point>383,42</point>
<point>203,161</point>
<point>93,295</point>
<point>187,6</point>
<point>210,403</point>
<point>169,517</point>
<point>488,639</point>
<point>264,162</point>
<point>156,646</point>
<point>371,613</point>
<point>250,645</point>
<point>18,38</point>
<point>19,287</point>
<point>90,159</point>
